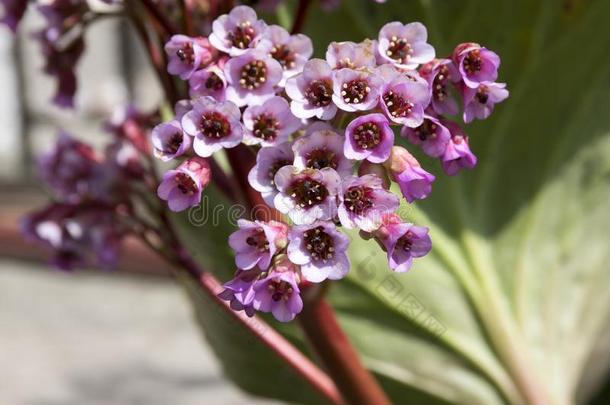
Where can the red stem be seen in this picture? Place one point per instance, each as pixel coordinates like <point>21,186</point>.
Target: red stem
<point>168,27</point>
<point>339,357</point>
<point>301,14</point>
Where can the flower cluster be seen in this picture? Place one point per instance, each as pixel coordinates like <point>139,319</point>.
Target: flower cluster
<point>326,133</point>
<point>91,207</point>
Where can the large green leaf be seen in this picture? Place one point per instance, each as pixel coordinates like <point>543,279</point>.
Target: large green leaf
<point>513,299</point>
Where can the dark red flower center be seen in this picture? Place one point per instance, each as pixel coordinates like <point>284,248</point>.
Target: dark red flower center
<point>355,91</point>
<point>367,135</point>
<point>439,84</point>
<point>482,95</point>
<point>319,244</point>
<point>321,158</point>
<point>319,93</point>
<point>307,192</point>
<point>253,75</point>
<point>399,49</point>
<point>426,131</point>
<point>266,127</point>
<point>473,62</point>
<point>273,169</point>
<point>397,105</point>
<point>214,82</point>
<point>280,290</point>
<point>358,199</point>
<point>214,125</point>
<point>186,54</point>
<point>242,35</point>
<point>185,183</point>
<point>258,240</point>
<point>405,242</point>
<point>284,55</point>
<point>173,143</point>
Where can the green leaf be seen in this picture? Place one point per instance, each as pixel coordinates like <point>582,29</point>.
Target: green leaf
<point>513,300</point>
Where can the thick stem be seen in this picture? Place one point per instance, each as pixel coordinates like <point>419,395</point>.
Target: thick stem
<point>301,15</point>
<point>339,357</point>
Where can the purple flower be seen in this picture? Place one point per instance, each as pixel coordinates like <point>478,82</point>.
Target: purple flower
<point>415,183</point>
<point>240,291</point>
<point>169,141</point>
<point>182,107</point>
<point>476,64</point>
<point>215,125</point>
<point>405,45</point>
<point>403,101</point>
<point>479,102</point>
<point>356,90</point>
<point>252,78</point>
<point>13,12</point>
<point>268,161</point>
<point>364,201</point>
<point>431,135</point>
<point>208,82</point>
<point>320,249</point>
<point>307,195</point>
<point>255,243</point>
<point>186,55</point>
<point>291,51</point>
<point>68,169</point>
<point>403,242</point>
<point>182,187</point>
<point>439,73</point>
<point>76,234</point>
<point>238,31</point>
<point>457,155</point>
<point>279,293</point>
<point>270,123</point>
<point>350,55</point>
<point>319,149</point>
<point>311,91</point>
<point>369,137</point>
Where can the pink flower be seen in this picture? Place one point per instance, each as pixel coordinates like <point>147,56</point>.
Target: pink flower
<point>364,201</point>
<point>355,90</point>
<point>432,135</point>
<point>279,293</point>
<point>255,243</point>
<point>238,31</point>
<point>311,91</point>
<point>476,64</point>
<point>182,187</point>
<point>405,44</point>
<point>350,55</point>
<point>186,55</point>
<point>415,183</point>
<point>369,137</point>
<point>322,148</point>
<point>403,242</point>
<point>403,101</point>
<point>240,290</point>
<point>321,251</point>
<point>252,77</point>
<point>440,73</point>
<point>208,82</point>
<point>479,102</point>
<point>291,51</point>
<point>307,195</point>
<point>268,161</point>
<point>457,155</point>
<point>169,141</point>
<point>269,123</point>
<point>215,125</point>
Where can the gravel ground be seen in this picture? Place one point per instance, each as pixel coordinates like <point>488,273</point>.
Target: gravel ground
<point>94,339</point>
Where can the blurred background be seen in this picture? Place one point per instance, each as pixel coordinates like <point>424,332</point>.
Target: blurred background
<point>125,337</point>
<point>87,337</point>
